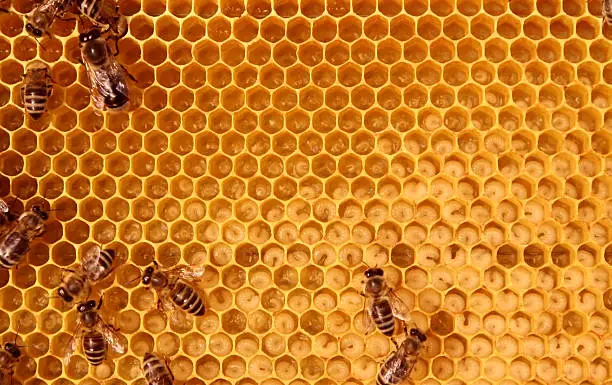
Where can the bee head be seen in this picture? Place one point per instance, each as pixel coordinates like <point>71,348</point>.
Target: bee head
<point>148,275</point>
<point>86,306</point>
<point>40,212</point>
<point>373,272</point>
<point>89,36</point>
<point>116,101</point>
<point>32,30</point>
<point>63,294</point>
<point>12,349</point>
<point>417,333</point>
<point>10,216</point>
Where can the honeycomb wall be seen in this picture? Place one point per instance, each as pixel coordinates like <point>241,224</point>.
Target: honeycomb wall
<point>465,146</point>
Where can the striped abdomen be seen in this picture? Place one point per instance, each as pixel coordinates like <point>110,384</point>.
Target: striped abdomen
<point>185,297</point>
<point>382,315</point>
<point>393,371</point>
<point>94,347</point>
<point>75,284</point>
<point>100,266</point>
<point>90,8</point>
<point>35,96</point>
<point>155,370</point>
<point>13,249</point>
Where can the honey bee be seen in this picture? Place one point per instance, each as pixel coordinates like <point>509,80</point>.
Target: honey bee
<point>9,357</point>
<point>95,266</point>
<point>15,245</point>
<point>109,89</point>
<point>398,366</point>
<point>104,13</point>
<point>156,371</point>
<point>36,89</point>
<point>41,17</point>
<point>173,290</point>
<point>606,10</point>
<point>94,334</point>
<point>382,304</point>
<point>7,217</point>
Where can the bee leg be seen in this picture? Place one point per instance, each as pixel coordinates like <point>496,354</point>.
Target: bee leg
<point>129,74</point>
<point>395,343</point>
<point>168,366</point>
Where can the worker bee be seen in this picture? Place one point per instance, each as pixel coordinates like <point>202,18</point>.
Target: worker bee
<point>109,87</point>
<point>42,16</point>
<point>606,10</point>
<point>173,290</point>
<point>156,371</point>
<point>36,89</point>
<point>96,265</point>
<point>15,245</point>
<point>382,304</point>
<point>9,357</point>
<point>94,334</point>
<point>7,217</point>
<point>104,13</point>
<point>398,366</point>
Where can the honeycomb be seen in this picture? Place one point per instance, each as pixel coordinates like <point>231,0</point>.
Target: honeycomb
<point>464,146</point>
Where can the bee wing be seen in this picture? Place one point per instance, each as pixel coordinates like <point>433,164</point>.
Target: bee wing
<point>90,255</point>
<point>399,308</point>
<point>188,273</point>
<point>366,315</point>
<point>116,74</point>
<point>96,83</point>
<point>72,348</point>
<point>111,337</point>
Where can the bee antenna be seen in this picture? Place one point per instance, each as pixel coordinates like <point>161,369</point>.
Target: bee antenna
<point>39,44</point>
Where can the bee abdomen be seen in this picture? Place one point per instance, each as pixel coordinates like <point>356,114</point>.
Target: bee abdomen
<point>383,317</point>
<point>155,370</point>
<point>89,8</point>
<point>94,348</point>
<point>35,99</point>
<point>188,299</point>
<point>386,378</point>
<point>13,249</point>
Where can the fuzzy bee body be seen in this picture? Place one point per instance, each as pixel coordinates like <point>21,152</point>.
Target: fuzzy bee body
<point>94,334</point>
<point>398,366</point>
<point>96,265</point>
<point>36,89</point>
<point>104,13</point>
<point>382,314</point>
<point>74,286</point>
<point>16,244</point>
<point>156,371</point>
<point>382,305</point>
<point>99,265</point>
<point>185,297</point>
<point>94,347</point>
<point>171,287</point>
<point>9,357</point>
<point>41,17</point>
<point>109,89</point>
